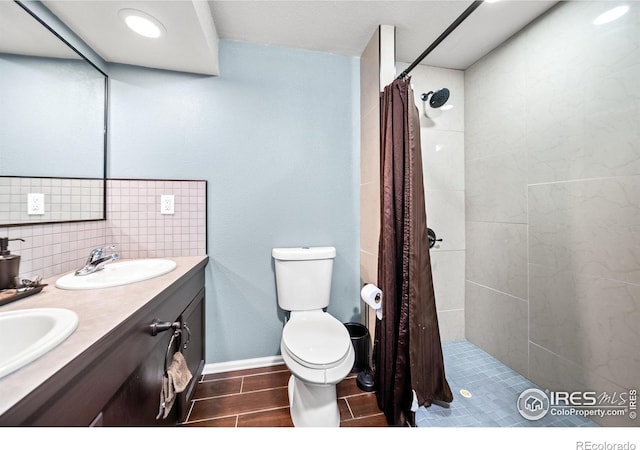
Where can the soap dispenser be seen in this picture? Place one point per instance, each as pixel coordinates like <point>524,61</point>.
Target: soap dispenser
<point>9,264</point>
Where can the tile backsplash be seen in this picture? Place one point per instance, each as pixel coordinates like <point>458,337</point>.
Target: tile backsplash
<point>134,225</point>
<point>66,199</point>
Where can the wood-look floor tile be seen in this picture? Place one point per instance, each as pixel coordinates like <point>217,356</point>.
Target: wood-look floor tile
<point>378,420</point>
<point>363,405</point>
<point>265,381</point>
<point>348,386</point>
<point>216,388</point>
<point>273,418</point>
<point>226,422</point>
<point>258,398</point>
<point>345,413</point>
<point>243,372</point>
<point>239,404</point>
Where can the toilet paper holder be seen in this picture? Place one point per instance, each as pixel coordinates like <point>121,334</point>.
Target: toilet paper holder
<point>377,298</point>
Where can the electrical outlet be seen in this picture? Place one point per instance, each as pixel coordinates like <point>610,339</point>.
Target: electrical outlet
<point>35,204</point>
<point>167,204</point>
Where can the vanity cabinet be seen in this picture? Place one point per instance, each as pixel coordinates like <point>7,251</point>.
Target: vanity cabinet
<point>137,401</point>
<point>117,381</point>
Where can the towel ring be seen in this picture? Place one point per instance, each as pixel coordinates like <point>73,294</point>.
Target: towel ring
<point>175,334</point>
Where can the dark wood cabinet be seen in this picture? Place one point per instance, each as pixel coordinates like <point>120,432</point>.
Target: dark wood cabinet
<point>193,348</point>
<point>137,401</point>
<point>117,381</point>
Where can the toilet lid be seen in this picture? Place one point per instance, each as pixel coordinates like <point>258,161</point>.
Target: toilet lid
<point>316,340</point>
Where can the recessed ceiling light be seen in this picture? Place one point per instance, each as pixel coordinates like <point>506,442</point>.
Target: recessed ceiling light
<point>611,15</point>
<point>142,23</point>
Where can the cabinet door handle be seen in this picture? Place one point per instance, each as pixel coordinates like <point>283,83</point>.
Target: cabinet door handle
<point>158,327</point>
<point>184,325</point>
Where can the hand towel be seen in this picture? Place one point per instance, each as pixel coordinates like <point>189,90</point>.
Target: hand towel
<point>174,382</point>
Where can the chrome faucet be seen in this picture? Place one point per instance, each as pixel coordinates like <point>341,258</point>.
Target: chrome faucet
<point>97,260</point>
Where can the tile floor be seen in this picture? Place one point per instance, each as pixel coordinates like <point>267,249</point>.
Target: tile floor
<point>258,398</point>
<point>494,390</point>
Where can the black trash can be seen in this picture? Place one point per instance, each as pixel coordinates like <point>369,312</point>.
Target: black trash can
<point>360,339</point>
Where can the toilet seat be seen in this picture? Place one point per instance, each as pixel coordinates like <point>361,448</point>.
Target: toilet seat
<point>316,340</point>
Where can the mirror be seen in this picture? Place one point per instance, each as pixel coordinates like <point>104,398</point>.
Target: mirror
<point>52,124</point>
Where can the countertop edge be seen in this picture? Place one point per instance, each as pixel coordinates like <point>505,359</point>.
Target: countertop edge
<point>100,313</point>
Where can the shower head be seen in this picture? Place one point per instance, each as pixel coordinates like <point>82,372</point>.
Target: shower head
<point>438,98</point>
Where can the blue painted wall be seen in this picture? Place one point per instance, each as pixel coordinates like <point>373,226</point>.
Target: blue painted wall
<point>277,138</point>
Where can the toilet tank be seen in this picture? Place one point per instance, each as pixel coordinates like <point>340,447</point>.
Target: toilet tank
<point>303,277</point>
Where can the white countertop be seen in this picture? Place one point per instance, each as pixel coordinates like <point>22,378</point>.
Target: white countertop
<point>99,311</point>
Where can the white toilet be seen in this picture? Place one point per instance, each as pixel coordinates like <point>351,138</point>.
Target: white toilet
<point>315,346</point>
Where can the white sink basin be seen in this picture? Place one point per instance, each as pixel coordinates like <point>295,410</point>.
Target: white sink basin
<point>118,274</point>
<point>27,334</point>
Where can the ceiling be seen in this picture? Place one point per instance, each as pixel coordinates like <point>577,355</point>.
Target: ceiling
<point>340,27</point>
<point>190,44</point>
<point>21,35</point>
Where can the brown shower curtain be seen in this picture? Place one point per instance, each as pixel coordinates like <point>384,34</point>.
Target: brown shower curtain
<point>407,349</point>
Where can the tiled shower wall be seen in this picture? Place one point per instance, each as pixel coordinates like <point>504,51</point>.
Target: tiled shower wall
<point>442,144</point>
<point>134,225</point>
<point>377,69</point>
<point>553,201</point>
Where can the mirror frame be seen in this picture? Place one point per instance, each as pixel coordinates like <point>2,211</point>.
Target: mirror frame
<point>56,34</point>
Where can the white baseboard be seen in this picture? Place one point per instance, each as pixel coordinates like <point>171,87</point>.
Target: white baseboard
<point>242,364</point>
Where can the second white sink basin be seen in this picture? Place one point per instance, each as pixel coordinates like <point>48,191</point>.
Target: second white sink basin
<point>27,334</point>
<point>118,274</point>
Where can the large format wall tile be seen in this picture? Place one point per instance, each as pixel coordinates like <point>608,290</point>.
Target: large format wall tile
<point>591,227</point>
<point>589,130</point>
<point>555,373</point>
<point>370,147</point>
<point>445,215</point>
<point>442,143</point>
<point>425,79</point>
<point>497,323</point>
<point>369,217</point>
<point>556,110</point>
<point>448,279</point>
<point>497,188</point>
<point>582,96</point>
<point>442,159</point>
<point>592,322</point>
<point>497,256</point>
<point>494,103</point>
<point>586,132</point>
<point>451,325</point>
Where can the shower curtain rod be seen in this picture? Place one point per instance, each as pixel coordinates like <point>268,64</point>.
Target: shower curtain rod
<point>467,12</point>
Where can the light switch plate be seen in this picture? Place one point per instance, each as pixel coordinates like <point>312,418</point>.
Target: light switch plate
<point>167,204</point>
<point>35,204</point>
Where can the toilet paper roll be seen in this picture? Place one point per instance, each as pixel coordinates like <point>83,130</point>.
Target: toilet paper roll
<point>372,296</point>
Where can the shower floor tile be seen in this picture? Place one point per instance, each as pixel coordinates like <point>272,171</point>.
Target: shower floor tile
<point>494,390</point>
